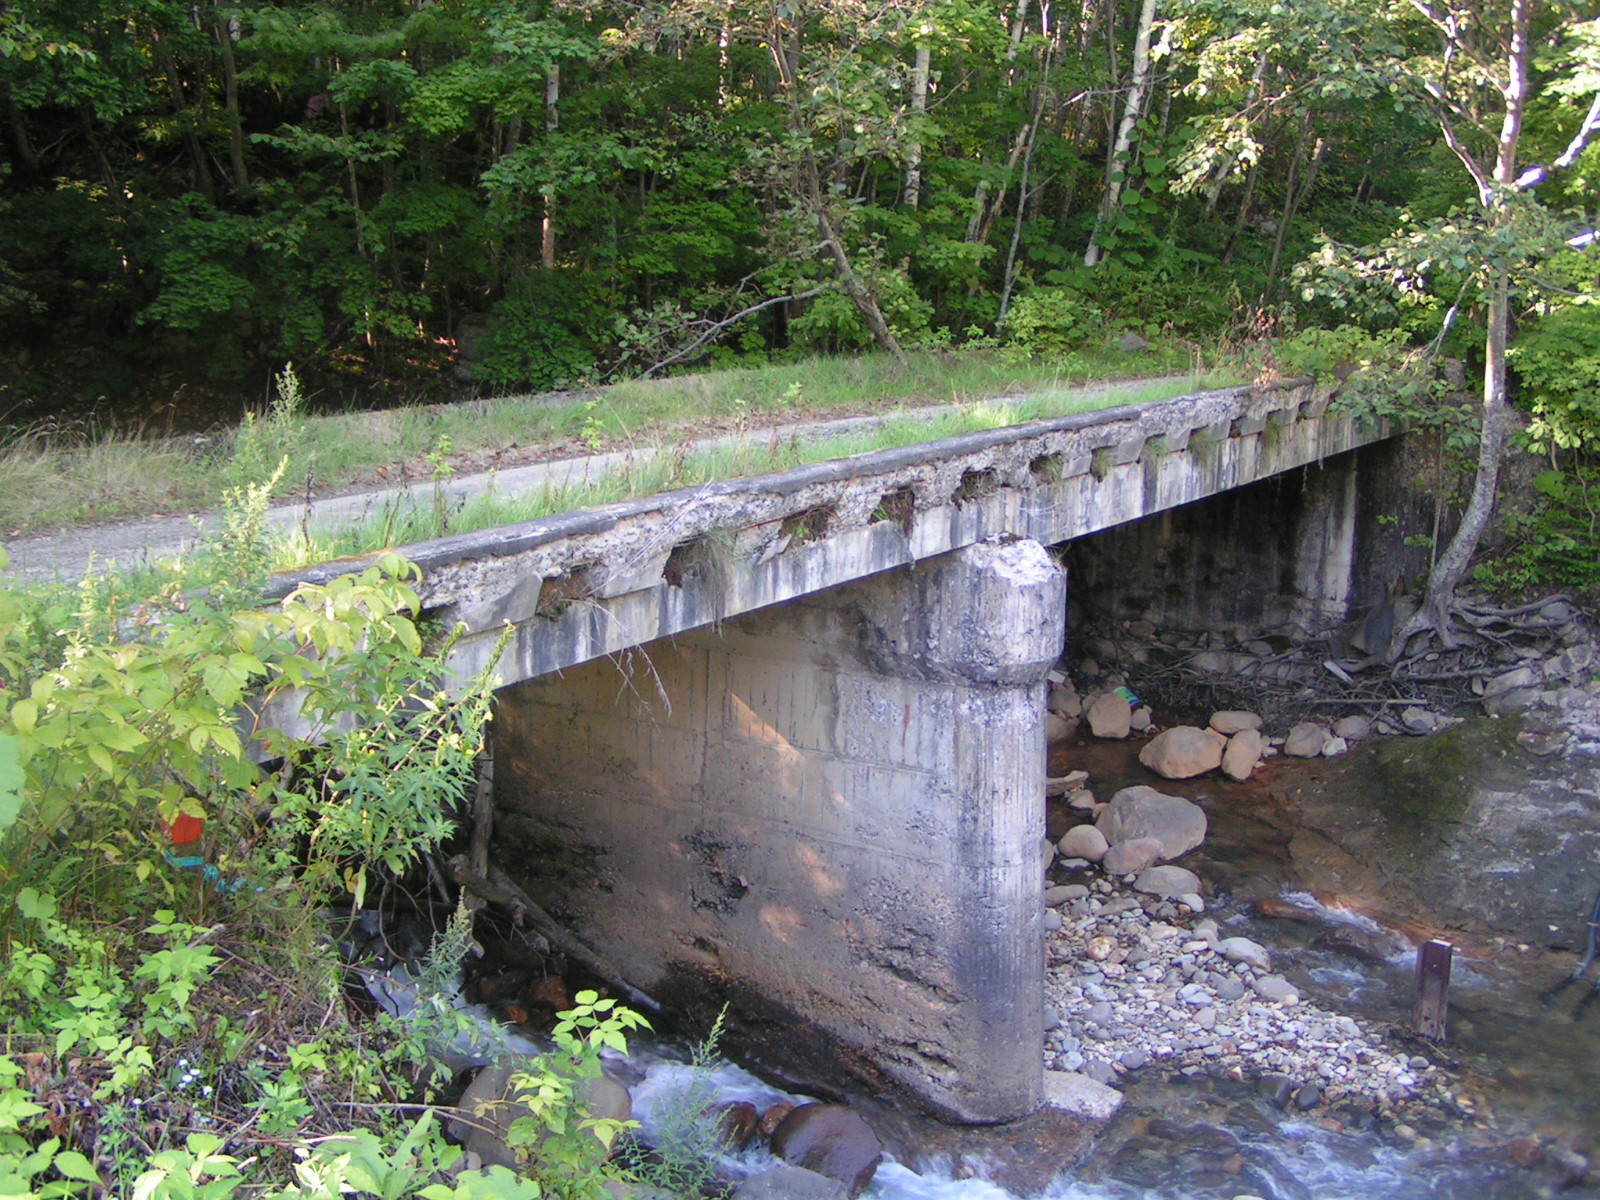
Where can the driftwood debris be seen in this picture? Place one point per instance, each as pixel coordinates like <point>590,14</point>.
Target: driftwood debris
<point>499,890</point>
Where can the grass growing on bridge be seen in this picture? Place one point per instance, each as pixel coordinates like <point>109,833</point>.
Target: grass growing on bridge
<point>422,514</point>
<point>56,480</point>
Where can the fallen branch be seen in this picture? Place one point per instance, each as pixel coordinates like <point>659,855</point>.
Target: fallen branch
<point>716,327</point>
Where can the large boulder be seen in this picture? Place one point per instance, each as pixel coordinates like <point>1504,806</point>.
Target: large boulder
<point>1081,1096</point>
<point>1135,854</point>
<point>1138,812</point>
<point>1110,716</point>
<point>1243,753</point>
<point>1168,882</point>
<point>1183,752</point>
<point>832,1140</point>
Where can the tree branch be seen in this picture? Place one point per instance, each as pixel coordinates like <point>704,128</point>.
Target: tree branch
<point>717,327</point>
<point>1534,176</point>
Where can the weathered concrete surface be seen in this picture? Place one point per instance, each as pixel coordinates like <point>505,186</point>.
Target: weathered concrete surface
<point>601,581</point>
<point>831,809</point>
<point>1308,541</point>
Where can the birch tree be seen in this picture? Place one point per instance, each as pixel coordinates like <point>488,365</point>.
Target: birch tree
<point>1483,68</point>
<point>1121,147</point>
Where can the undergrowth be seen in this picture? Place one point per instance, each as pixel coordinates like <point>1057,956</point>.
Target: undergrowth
<point>174,1021</point>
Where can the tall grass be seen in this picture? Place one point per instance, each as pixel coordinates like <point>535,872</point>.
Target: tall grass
<point>667,467</point>
<point>55,482</point>
<point>51,482</point>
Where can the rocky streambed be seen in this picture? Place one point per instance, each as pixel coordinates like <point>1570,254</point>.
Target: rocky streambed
<point>1469,813</point>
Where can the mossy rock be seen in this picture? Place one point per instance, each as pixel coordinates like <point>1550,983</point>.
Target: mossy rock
<point>1429,781</point>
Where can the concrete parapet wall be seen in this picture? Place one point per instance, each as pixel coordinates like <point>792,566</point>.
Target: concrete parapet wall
<point>829,812</point>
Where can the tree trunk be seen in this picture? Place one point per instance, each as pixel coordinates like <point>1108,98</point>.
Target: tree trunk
<point>552,121</point>
<point>1496,417</point>
<point>860,294</point>
<point>20,141</point>
<point>199,171</point>
<point>1300,182</point>
<point>978,224</point>
<point>919,108</point>
<point>225,28</point>
<point>1117,163</point>
<point>1009,277</point>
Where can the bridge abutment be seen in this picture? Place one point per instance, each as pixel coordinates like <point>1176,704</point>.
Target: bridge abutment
<point>828,812</point>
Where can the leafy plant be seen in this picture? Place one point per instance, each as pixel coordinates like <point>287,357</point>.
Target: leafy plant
<point>1049,321</point>
<point>568,1148</point>
<point>264,445</point>
<point>687,1139</point>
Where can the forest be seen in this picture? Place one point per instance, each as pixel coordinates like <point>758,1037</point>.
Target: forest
<point>429,198</point>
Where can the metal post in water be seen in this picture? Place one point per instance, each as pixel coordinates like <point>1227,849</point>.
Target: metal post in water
<point>1433,989</point>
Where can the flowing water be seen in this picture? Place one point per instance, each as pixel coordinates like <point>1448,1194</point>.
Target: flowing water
<point>1527,1053</point>
<point>1524,1048</point>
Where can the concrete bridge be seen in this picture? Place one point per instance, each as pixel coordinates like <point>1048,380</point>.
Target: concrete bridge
<point>780,740</point>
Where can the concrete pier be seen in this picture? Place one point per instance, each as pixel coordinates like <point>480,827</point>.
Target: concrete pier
<point>830,810</point>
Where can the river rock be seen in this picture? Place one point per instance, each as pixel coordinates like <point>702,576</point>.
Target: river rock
<point>1243,950</point>
<point>790,1183</point>
<point>832,1140</point>
<point>737,1124</point>
<point>1141,811</point>
<point>1110,716</point>
<point>1511,681</point>
<point>1417,719</point>
<point>1276,989</point>
<point>1083,841</point>
<point>1081,800</point>
<point>1573,664</point>
<point>1064,699</point>
<point>1135,854</point>
<point>1057,727</point>
<point>1502,704</point>
<point>1231,721</point>
<point>1306,740</point>
<point>773,1117</point>
<point>1080,1095</point>
<point>1334,747</point>
<point>1140,721</point>
<point>494,1106</point>
<point>1183,752</point>
<point>1243,753</point>
<point>625,1190</point>
<point>1353,729</point>
<point>1168,881</point>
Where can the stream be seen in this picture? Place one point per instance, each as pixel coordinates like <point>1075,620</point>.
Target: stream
<point>1515,1120</point>
<point>1526,1078</point>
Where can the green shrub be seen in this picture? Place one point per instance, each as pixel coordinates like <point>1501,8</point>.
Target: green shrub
<point>833,322</point>
<point>546,332</point>
<point>1557,359</point>
<point>1554,542</point>
<point>1050,321</point>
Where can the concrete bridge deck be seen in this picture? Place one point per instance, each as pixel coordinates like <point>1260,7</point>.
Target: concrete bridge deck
<point>599,581</point>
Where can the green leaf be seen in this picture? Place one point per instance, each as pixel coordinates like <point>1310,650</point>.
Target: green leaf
<point>75,1166</point>
<point>11,779</point>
